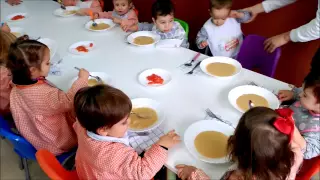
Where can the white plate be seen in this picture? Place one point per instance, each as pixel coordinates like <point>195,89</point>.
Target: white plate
<point>165,75</point>
<point>148,103</point>
<point>235,93</point>
<point>220,59</point>
<point>205,125</point>
<point>62,13</point>
<point>17,31</point>
<point>73,50</point>
<point>155,36</point>
<point>52,45</point>
<point>15,14</point>
<point>105,78</point>
<point>106,21</point>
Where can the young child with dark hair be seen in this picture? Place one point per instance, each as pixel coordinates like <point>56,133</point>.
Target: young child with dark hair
<point>42,113</point>
<point>307,112</point>
<point>163,23</point>
<point>222,32</point>
<point>263,147</point>
<point>104,152</point>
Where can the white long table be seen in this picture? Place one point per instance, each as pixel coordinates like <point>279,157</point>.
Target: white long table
<point>184,99</point>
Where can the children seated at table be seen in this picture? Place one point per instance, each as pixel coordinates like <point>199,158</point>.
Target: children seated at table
<point>123,14</point>
<point>262,147</point>
<point>307,112</point>
<point>103,144</point>
<point>42,113</point>
<point>222,32</point>
<point>163,23</point>
<point>85,6</point>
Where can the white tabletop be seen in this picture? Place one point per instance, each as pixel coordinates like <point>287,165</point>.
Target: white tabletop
<point>184,98</point>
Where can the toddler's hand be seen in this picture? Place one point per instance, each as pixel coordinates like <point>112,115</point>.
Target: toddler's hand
<point>169,140</point>
<point>5,28</point>
<point>116,20</point>
<point>203,44</point>
<point>69,2</point>
<point>81,12</point>
<point>285,95</point>
<point>184,171</point>
<point>83,74</point>
<point>14,2</point>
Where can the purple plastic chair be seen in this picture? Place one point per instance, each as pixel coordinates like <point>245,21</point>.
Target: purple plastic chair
<point>252,55</point>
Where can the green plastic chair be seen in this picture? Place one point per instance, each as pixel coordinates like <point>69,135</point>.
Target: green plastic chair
<point>185,26</point>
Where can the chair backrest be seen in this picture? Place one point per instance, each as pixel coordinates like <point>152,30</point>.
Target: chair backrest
<point>185,26</point>
<point>21,146</point>
<point>51,166</point>
<point>310,167</point>
<point>252,55</point>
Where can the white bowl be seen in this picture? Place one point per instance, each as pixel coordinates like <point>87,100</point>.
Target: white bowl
<point>15,14</point>
<point>52,45</point>
<point>106,21</point>
<point>17,31</point>
<point>235,93</point>
<point>61,13</point>
<point>73,50</point>
<point>220,59</point>
<point>165,75</point>
<point>148,103</point>
<point>151,34</point>
<point>104,77</point>
<point>201,126</point>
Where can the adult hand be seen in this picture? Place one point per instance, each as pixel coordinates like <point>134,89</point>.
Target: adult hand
<point>254,11</point>
<point>276,41</point>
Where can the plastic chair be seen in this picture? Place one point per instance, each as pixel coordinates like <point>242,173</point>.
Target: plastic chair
<point>51,166</point>
<point>252,55</point>
<point>310,167</point>
<point>23,148</point>
<point>185,26</point>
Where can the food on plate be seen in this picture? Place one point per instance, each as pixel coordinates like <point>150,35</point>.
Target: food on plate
<point>143,40</point>
<point>17,17</point>
<point>93,82</point>
<point>243,101</point>
<point>82,49</point>
<point>70,12</point>
<point>143,117</point>
<point>211,144</point>
<point>100,26</point>
<point>91,44</point>
<point>155,79</point>
<point>221,69</point>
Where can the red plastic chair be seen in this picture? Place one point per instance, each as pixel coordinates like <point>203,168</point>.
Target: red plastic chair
<point>51,166</point>
<point>310,167</point>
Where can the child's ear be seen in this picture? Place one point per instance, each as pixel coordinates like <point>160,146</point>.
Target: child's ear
<point>154,21</point>
<point>33,71</point>
<point>103,131</point>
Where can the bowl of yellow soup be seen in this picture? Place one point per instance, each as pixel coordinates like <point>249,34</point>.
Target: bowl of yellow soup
<point>143,38</point>
<point>102,25</point>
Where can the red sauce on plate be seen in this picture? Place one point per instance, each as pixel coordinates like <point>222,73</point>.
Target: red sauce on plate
<point>82,49</point>
<point>154,79</point>
<point>17,17</point>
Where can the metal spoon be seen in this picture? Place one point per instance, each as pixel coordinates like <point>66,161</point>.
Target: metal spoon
<point>251,105</point>
<point>191,72</point>
<point>96,77</point>
<point>142,116</point>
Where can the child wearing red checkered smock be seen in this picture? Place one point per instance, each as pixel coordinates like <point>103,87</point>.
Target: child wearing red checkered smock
<point>42,113</point>
<point>103,145</point>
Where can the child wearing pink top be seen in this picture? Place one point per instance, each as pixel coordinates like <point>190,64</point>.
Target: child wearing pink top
<point>104,152</point>
<point>42,113</point>
<point>265,145</point>
<point>123,14</point>
<point>85,6</point>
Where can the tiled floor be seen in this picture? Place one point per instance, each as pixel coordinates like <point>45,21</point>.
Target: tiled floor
<point>9,167</point>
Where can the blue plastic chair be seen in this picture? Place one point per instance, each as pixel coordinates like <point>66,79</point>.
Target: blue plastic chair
<point>23,148</point>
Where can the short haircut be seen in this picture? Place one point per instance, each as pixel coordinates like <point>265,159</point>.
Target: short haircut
<point>312,80</point>
<point>162,8</point>
<point>219,4</point>
<point>101,106</point>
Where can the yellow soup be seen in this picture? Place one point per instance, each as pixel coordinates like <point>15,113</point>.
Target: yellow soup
<point>221,69</point>
<point>243,101</point>
<point>100,26</point>
<point>149,115</point>
<point>211,144</point>
<point>93,82</point>
<point>143,40</point>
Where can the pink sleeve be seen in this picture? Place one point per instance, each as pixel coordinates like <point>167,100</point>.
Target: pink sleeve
<point>95,8</point>
<point>199,175</point>
<point>5,89</point>
<point>59,101</point>
<point>132,19</point>
<point>132,166</point>
<point>106,15</point>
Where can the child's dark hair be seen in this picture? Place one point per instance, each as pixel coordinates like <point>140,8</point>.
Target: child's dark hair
<point>219,4</point>
<point>259,148</point>
<point>162,8</point>
<point>23,54</point>
<point>312,80</point>
<point>101,106</point>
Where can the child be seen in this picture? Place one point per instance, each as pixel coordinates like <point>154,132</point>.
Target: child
<point>222,32</point>
<point>263,147</point>
<point>42,112</point>
<point>103,145</point>
<point>85,6</point>
<point>163,23</point>
<point>6,38</point>
<point>123,14</point>
<point>307,112</point>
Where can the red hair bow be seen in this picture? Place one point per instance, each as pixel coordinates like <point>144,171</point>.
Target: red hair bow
<point>284,123</point>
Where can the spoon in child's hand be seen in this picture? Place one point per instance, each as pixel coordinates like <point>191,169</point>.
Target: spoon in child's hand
<point>92,17</point>
<point>142,116</point>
